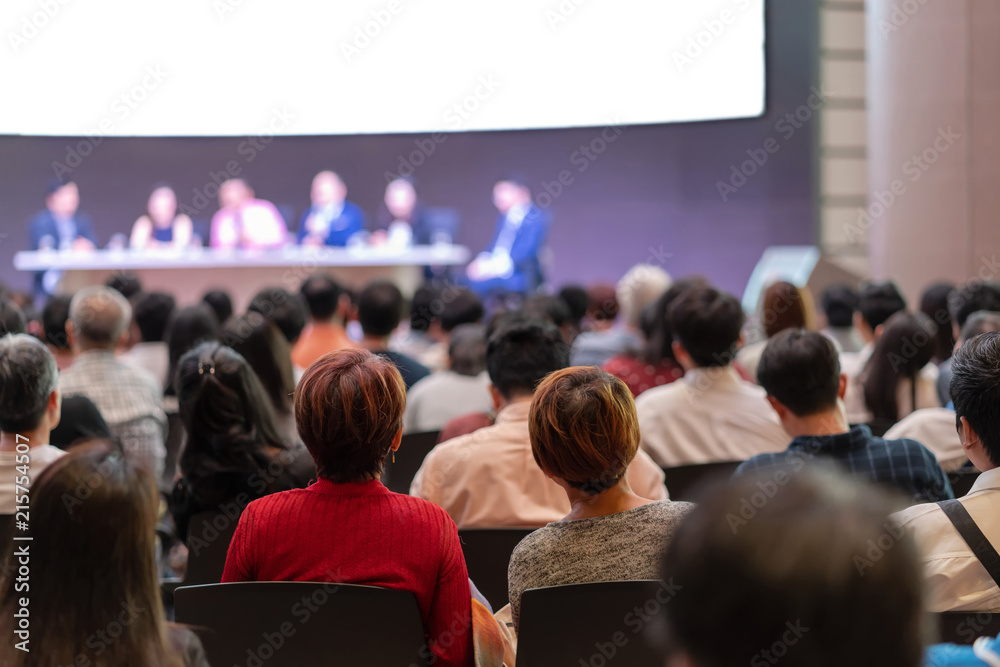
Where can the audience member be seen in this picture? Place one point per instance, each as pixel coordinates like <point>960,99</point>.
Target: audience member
<point>30,405</point>
<point>415,340</point>
<point>800,372</point>
<point>952,536</point>
<point>584,434</point>
<point>839,303</point>
<point>93,556</point>
<point>220,303</point>
<point>347,527</point>
<point>935,427</point>
<point>327,305</point>
<point>161,226</point>
<point>380,308</point>
<point>11,318</point>
<point>499,457</point>
<point>963,302</point>
<point>330,219</point>
<point>553,309</point>
<point>457,306</point>
<point>783,306</point>
<point>55,315</point>
<point>899,376</point>
<point>129,398</point>
<point>654,364</point>
<point>639,289</point>
<point>461,389</point>
<point>244,221</point>
<point>235,451</point>
<point>797,578</point>
<point>151,314</point>
<point>877,302</point>
<point>576,299</point>
<point>283,309</point>
<point>188,328</point>
<point>711,414</point>
<point>126,284</point>
<point>934,304</point>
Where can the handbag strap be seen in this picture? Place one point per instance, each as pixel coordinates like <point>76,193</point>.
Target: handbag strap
<point>973,536</point>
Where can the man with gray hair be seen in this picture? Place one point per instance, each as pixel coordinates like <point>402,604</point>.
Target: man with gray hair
<point>30,405</point>
<point>129,398</point>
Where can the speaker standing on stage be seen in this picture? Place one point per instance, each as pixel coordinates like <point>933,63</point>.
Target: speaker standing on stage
<point>161,226</point>
<point>331,220</point>
<point>511,264</point>
<point>245,222</point>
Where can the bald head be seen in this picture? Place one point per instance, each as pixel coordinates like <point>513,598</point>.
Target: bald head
<point>98,318</point>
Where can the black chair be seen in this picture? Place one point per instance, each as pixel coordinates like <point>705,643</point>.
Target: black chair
<point>964,627</point>
<point>209,535</point>
<point>412,450</point>
<point>299,624</point>
<point>683,482</point>
<point>962,480</point>
<point>590,624</point>
<point>487,555</point>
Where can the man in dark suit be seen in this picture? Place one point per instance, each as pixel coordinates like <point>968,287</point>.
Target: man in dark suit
<point>64,226</point>
<point>511,263</point>
<point>331,220</point>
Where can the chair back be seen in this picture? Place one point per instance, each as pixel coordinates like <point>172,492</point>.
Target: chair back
<point>209,535</point>
<point>487,555</point>
<point>300,624</point>
<point>962,480</point>
<point>683,482</point>
<point>413,449</point>
<point>590,624</point>
<point>964,627</point>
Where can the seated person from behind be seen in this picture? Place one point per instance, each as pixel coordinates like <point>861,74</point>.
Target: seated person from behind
<point>327,305</point>
<point>956,579</point>
<point>792,584</point>
<point>711,414</point>
<point>55,314</point>
<point>839,303</point>
<point>511,262</point>
<point>499,457</point>
<point>347,527</point>
<point>460,389</point>
<point>800,371</point>
<point>245,222</point>
<point>151,314</point>
<point>970,298</point>
<point>331,219</point>
<point>12,320</point>
<point>584,434</point>
<point>30,405</point>
<point>234,452</point>
<point>161,226</point>
<point>380,308</point>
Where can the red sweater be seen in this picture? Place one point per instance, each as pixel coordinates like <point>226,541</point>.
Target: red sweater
<point>362,533</point>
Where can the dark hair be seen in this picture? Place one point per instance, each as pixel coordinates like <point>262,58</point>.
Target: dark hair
<point>877,302</point>
<point>782,307</point>
<point>11,318</point>
<point>28,376</point>
<point>93,533</point>
<point>980,322</point>
<point>422,308</point>
<point>801,370</point>
<point>576,299</point>
<point>268,353</point>
<point>707,323</point>
<point>839,303</point>
<point>972,297</point>
<point>226,414</point>
<point>551,308</point>
<point>56,183</point>
<point>460,306</point>
<point>975,389</point>
<point>348,409</point>
<point>152,313</point>
<point>584,428</point>
<point>220,303</point>
<point>127,284</point>
<point>818,562</point>
<point>906,346</point>
<point>602,303</point>
<point>467,349</point>
<point>380,307</point>
<point>321,294</point>
<point>55,314</point>
<point>282,308</point>
<point>521,353</point>
<point>188,327</point>
<point>656,324</point>
<point>934,304</point>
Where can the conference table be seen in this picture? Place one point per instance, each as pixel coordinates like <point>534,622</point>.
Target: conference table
<point>188,273</point>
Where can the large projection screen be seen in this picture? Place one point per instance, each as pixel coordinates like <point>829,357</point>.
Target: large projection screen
<point>303,67</point>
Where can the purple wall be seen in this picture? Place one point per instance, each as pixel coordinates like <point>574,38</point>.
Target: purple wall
<point>652,194</point>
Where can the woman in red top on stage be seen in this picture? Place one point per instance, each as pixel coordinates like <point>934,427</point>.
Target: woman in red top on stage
<point>349,528</point>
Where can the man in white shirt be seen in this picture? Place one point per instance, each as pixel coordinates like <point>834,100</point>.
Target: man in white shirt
<point>489,478</point>
<point>711,414</point>
<point>956,579</point>
<point>151,314</point>
<point>30,405</point>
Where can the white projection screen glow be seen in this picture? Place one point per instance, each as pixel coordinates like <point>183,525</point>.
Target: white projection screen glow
<point>303,67</point>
